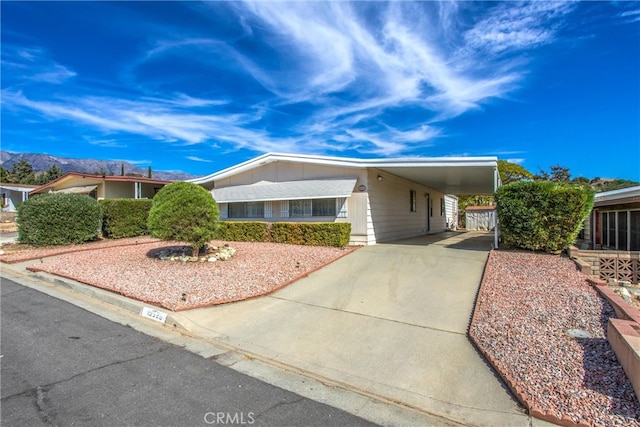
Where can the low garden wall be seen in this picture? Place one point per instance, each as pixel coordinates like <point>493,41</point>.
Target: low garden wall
<point>623,333</point>
<point>608,265</point>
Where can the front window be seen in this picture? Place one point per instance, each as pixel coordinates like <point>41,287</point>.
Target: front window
<point>246,210</point>
<point>622,231</point>
<point>312,207</point>
<point>635,231</point>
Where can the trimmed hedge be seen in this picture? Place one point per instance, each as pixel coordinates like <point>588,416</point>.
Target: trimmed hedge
<point>542,215</point>
<point>125,217</point>
<point>58,219</point>
<point>237,231</point>
<point>186,212</point>
<point>295,233</point>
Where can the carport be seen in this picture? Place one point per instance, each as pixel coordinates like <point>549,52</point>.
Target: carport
<point>450,175</point>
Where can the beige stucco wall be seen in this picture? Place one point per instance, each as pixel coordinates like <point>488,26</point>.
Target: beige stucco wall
<point>149,190</point>
<point>119,190</point>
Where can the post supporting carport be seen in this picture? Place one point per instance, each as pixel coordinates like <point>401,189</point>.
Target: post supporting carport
<point>496,184</point>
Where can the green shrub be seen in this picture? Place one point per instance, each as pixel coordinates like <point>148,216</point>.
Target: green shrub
<point>240,231</point>
<point>312,233</point>
<point>186,212</point>
<point>542,215</point>
<point>58,219</point>
<point>125,217</point>
<point>295,233</point>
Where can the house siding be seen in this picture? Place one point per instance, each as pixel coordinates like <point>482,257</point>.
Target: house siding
<point>13,198</point>
<point>390,214</point>
<point>288,171</point>
<point>379,211</point>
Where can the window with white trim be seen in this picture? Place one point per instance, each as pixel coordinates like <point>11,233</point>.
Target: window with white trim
<point>246,210</point>
<point>312,207</point>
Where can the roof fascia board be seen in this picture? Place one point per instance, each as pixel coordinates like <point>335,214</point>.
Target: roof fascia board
<point>349,162</point>
<point>617,194</point>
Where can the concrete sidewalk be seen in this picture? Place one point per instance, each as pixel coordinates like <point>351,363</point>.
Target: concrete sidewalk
<point>380,333</point>
<point>389,321</point>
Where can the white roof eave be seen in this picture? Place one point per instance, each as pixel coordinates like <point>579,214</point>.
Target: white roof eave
<point>432,162</point>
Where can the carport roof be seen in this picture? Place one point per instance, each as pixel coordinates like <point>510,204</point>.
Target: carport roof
<point>450,175</point>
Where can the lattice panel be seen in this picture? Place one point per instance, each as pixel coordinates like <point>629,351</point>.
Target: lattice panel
<point>607,268</point>
<point>627,269</point>
<point>619,269</point>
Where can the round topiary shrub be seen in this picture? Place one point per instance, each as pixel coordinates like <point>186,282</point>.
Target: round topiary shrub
<point>58,219</point>
<point>185,212</point>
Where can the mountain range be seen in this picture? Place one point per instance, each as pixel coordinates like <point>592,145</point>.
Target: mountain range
<point>42,162</point>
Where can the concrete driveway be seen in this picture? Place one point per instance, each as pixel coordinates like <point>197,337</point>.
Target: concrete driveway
<point>388,321</point>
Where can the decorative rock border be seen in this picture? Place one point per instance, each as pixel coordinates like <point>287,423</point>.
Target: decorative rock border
<point>623,333</point>
<point>622,309</point>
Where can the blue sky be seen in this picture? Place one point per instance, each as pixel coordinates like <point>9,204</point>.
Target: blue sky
<point>200,86</point>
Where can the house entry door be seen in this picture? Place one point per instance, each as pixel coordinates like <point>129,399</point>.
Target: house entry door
<point>428,196</point>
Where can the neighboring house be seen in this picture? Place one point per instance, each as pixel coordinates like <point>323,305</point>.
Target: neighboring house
<point>13,195</point>
<point>383,199</point>
<point>614,222</point>
<point>480,217</point>
<point>103,187</point>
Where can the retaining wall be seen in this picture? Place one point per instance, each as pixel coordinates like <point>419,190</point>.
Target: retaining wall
<point>606,265</point>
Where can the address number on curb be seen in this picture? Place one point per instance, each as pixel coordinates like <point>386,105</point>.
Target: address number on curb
<point>154,314</point>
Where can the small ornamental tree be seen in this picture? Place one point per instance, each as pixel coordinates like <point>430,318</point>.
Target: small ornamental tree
<point>58,219</point>
<point>542,215</point>
<point>185,212</point>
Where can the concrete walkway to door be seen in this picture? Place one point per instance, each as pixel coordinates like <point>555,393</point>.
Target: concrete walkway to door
<point>388,320</point>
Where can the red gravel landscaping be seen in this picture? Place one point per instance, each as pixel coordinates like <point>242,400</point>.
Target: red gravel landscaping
<point>526,304</point>
<point>256,269</point>
<point>14,253</point>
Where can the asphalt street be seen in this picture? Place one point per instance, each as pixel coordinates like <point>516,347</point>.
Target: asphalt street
<point>62,365</point>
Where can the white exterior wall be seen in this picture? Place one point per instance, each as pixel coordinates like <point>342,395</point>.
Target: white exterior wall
<point>390,214</point>
<point>379,213</point>
<point>13,198</point>
<point>290,171</point>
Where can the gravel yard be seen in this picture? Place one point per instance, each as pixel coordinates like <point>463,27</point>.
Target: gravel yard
<point>256,269</point>
<point>13,253</point>
<point>527,303</point>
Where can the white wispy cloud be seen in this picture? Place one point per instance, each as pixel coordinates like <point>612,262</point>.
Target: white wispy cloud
<point>518,160</point>
<point>198,159</point>
<point>348,65</point>
<point>631,16</point>
<point>518,26</point>
<point>35,64</point>
<point>160,121</point>
<point>107,143</point>
<point>134,162</point>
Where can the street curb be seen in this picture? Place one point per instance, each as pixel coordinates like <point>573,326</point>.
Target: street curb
<point>116,301</point>
<point>98,294</point>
